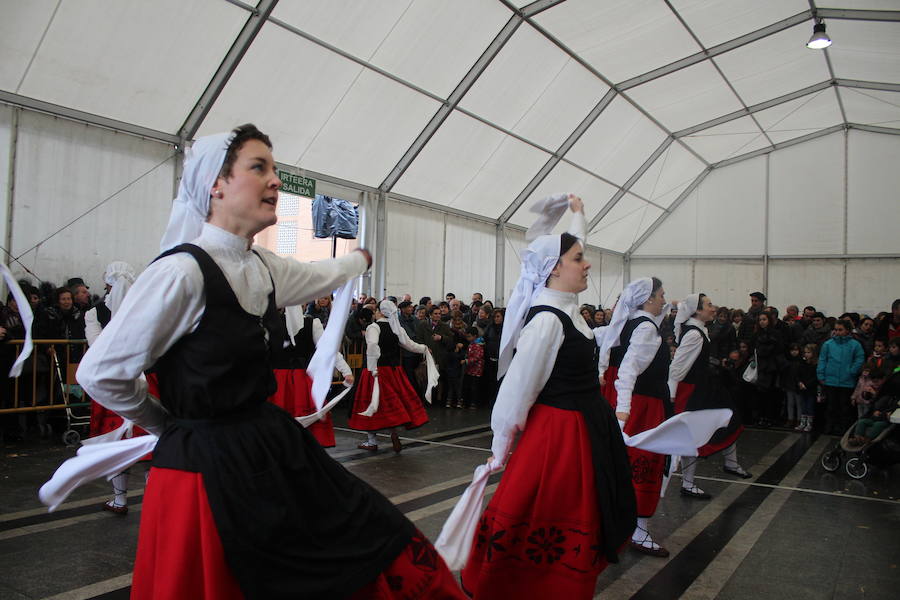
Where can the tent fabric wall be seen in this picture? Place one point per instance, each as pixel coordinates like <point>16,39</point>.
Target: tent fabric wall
<point>415,250</point>
<point>675,275</point>
<point>729,282</point>
<point>62,170</point>
<point>807,282</point>
<point>872,285</point>
<point>874,193</point>
<point>469,263</point>
<point>6,124</point>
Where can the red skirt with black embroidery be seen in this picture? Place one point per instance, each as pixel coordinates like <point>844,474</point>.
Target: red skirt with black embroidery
<point>719,441</point>
<point>398,403</point>
<point>180,554</point>
<point>294,395</point>
<point>540,535</point>
<point>646,467</point>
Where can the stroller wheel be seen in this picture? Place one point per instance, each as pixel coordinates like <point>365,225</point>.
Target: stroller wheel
<point>71,438</point>
<point>856,468</point>
<point>831,461</point>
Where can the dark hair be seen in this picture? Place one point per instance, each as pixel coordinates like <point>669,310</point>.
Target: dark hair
<point>434,307</point>
<point>795,345</point>
<point>472,331</point>
<point>657,283</point>
<point>566,241</point>
<point>404,304</point>
<point>895,304</point>
<point>59,292</point>
<point>365,315</point>
<point>240,136</point>
<point>451,294</point>
<point>845,323</point>
<point>700,298</point>
<point>443,303</point>
<point>894,342</point>
<point>723,310</point>
<point>806,308</point>
<point>424,300</point>
<point>818,315</point>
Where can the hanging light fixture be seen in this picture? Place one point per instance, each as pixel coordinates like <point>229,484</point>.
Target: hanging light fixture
<point>819,39</point>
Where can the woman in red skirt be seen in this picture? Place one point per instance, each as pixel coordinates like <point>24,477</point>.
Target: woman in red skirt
<point>242,501</point>
<point>397,404</point>
<point>637,389</point>
<point>695,383</point>
<point>294,394</point>
<point>565,504</point>
<point>118,278</point>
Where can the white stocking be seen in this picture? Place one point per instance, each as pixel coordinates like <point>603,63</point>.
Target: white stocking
<point>730,454</point>
<point>688,467</point>
<point>642,536</point>
<point>120,489</point>
<point>373,440</point>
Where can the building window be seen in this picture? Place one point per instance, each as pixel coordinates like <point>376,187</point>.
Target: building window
<point>287,238</point>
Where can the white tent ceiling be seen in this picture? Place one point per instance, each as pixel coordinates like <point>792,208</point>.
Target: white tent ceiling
<point>475,105</point>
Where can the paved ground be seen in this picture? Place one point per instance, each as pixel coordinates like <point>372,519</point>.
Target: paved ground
<point>793,531</point>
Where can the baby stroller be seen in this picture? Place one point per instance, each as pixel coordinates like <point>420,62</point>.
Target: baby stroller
<point>882,451</point>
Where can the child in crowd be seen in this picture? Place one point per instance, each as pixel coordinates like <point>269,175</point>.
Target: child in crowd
<point>879,351</point>
<point>808,384</point>
<point>789,383</point>
<point>892,360</point>
<point>866,390</point>
<point>474,368</point>
<point>876,418</point>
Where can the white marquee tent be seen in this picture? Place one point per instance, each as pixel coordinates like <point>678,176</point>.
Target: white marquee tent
<point>712,148</point>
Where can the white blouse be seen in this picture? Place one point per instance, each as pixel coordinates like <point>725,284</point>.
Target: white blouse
<point>167,302</point>
<point>535,356</point>
<point>644,344</point>
<point>339,363</point>
<point>373,351</point>
<point>686,353</point>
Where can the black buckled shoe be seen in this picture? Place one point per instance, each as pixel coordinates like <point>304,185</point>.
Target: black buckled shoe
<point>739,472</point>
<point>695,492</point>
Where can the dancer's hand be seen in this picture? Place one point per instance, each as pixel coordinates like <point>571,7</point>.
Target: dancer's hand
<point>348,379</point>
<point>575,203</point>
<point>623,418</point>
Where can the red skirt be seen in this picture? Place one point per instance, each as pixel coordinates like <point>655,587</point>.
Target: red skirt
<point>609,386</point>
<point>294,395</point>
<point>717,443</point>
<point>180,554</point>
<point>104,420</point>
<point>398,402</point>
<point>646,467</point>
<point>540,535</point>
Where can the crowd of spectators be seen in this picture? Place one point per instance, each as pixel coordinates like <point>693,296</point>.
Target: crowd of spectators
<point>834,364</point>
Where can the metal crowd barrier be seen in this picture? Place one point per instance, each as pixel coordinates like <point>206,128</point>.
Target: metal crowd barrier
<point>48,380</point>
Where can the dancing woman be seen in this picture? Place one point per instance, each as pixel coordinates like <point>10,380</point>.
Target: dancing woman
<point>695,384</point>
<point>397,402</point>
<point>637,388</point>
<point>565,504</point>
<point>242,501</point>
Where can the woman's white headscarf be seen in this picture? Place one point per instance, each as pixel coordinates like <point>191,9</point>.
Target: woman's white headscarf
<point>119,276</point>
<point>392,314</point>
<point>538,261</point>
<point>632,298</point>
<point>190,208</point>
<point>686,310</point>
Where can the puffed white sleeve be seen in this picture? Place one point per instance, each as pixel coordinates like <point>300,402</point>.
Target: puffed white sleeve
<point>92,327</point>
<point>642,348</point>
<point>339,363</point>
<point>536,351</point>
<point>603,359</point>
<point>167,304</point>
<point>410,345</point>
<point>297,282</point>
<point>685,356</point>
<point>578,226</point>
<point>373,351</point>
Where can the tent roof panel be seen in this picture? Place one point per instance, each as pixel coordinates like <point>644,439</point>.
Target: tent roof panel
<point>687,97</point>
<point>535,90</point>
<point>429,44</point>
<point>93,48</point>
<point>859,4</point>
<point>369,130</point>
<point>865,50</point>
<point>617,143</point>
<point>871,107</point>
<point>727,140</point>
<point>775,65</point>
<point>566,178</point>
<point>717,21</point>
<point>801,116</point>
<point>673,171</point>
<point>620,38</point>
<point>624,224</point>
<point>471,166</point>
<point>292,107</point>
<point>21,29</point>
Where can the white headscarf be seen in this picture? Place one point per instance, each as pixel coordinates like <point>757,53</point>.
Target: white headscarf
<point>119,276</point>
<point>630,301</point>
<point>686,310</point>
<point>391,313</point>
<point>538,261</point>
<point>190,208</point>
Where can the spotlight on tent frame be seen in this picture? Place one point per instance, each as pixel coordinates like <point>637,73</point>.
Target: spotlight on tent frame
<point>819,39</point>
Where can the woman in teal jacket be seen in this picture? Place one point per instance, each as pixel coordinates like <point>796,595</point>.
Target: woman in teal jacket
<point>840,362</point>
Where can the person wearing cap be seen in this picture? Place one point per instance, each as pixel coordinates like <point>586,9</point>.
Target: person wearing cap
<point>81,294</point>
<point>384,397</point>
<point>300,336</point>
<point>748,325</point>
<point>565,504</point>
<point>241,501</point>
<point>637,389</point>
<point>695,384</point>
<point>118,279</point>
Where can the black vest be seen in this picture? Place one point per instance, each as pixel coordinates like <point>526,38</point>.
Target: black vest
<point>294,524</point>
<point>574,385</point>
<point>389,344</point>
<point>700,370</point>
<point>298,354</point>
<point>104,315</point>
<point>654,380</point>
